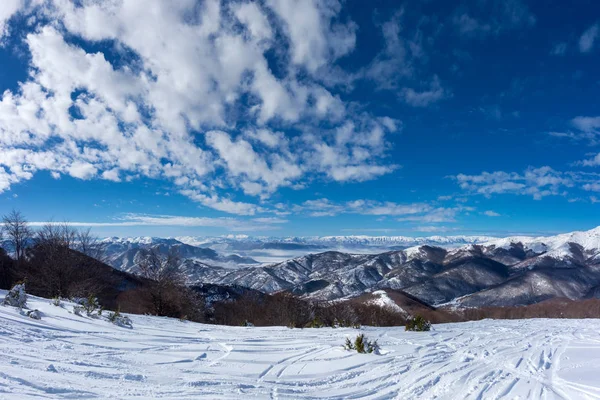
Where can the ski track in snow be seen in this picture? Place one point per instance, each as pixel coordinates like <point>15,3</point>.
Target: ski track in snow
<point>67,356</point>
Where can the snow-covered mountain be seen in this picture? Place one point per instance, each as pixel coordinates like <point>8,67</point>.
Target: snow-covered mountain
<point>329,242</point>
<point>233,251</point>
<point>496,272</point>
<point>125,253</point>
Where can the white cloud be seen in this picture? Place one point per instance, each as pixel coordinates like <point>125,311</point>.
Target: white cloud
<point>242,161</point>
<point>352,151</point>
<point>536,182</point>
<point>434,228</point>
<point>592,187</point>
<point>437,215</point>
<point>232,224</point>
<point>491,213</point>
<point>255,20</point>
<point>270,220</point>
<point>587,39</point>
<point>7,10</point>
<point>492,17</point>
<point>82,170</point>
<point>587,124</point>
<point>314,38</point>
<point>397,65</point>
<point>111,175</point>
<point>424,98</point>
<point>409,212</point>
<point>591,162</point>
<point>144,108</point>
<point>223,204</point>
<point>584,128</point>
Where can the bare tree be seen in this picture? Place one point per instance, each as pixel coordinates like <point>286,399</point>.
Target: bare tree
<point>18,233</point>
<point>57,235</point>
<point>167,281</point>
<point>55,269</point>
<point>89,245</point>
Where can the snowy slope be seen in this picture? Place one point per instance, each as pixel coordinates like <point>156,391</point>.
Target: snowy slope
<point>66,356</point>
<point>345,240</point>
<point>554,246</point>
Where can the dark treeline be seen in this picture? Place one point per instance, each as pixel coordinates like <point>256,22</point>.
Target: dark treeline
<point>58,260</point>
<point>287,310</point>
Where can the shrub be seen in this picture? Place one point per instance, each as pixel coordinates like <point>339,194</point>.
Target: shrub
<point>361,345</point>
<point>418,324</point>
<point>16,297</point>
<point>89,305</point>
<point>34,314</point>
<point>120,320</point>
<point>57,301</point>
<point>316,323</point>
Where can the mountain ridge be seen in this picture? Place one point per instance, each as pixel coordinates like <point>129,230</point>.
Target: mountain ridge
<point>509,271</point>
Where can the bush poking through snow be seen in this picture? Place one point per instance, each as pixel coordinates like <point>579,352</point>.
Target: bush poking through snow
<point>120,320</point>
<point>57,301</point>
<point>316,323</point>
<point>418,324</point>
<point>16,297</point>
<point>34,314</point>
<point>89,305</point>
<point>361,345</point>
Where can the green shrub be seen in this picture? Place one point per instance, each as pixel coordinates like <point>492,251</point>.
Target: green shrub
<point>418,324</point>
<point>119,319</point>
<point>361,345</point>
<point>57,301</point>
<point>89,305</point>
<point>316,323</point>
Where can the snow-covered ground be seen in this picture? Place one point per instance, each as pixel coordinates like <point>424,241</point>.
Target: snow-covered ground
<point>68,356</point>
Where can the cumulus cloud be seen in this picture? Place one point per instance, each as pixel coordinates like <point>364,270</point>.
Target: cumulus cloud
<point>187,91</point>
<point>402,212</point>
<point>587,124</point>
<point>353,150</point>
<point>591,162</point>
<point>315,37</point>
<point>7,10</point>
<point>592,187</point>
<point>582,128</point>
<point>536,182</point>
<point>437,215</point>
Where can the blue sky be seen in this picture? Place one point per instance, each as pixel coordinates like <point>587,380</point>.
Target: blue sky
<point>284,117</point>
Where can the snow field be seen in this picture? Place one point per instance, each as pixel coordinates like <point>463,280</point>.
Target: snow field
<point>68,356</point>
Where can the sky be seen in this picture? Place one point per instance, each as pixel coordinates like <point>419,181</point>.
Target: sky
<point>301,117</point>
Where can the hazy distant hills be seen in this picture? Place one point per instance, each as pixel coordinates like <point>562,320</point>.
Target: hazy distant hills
<point>275,249</point>
<point>499,272</point>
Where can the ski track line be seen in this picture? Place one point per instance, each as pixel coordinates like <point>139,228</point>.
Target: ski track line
<point>64,356</point>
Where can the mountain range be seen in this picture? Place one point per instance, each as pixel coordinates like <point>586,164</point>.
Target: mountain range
<point>486,272</point>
